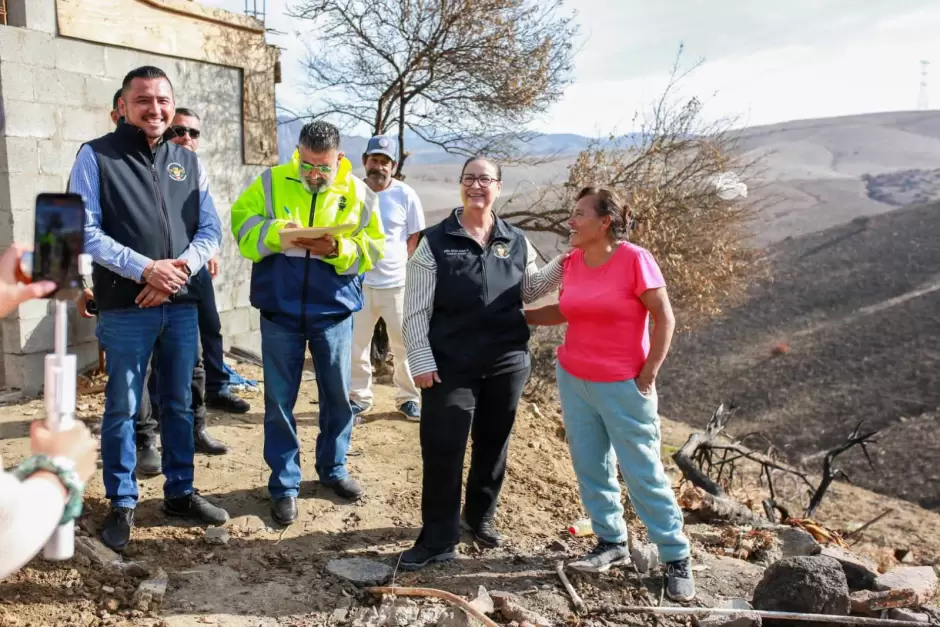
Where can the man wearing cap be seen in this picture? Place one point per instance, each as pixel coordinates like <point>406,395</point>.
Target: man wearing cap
<point>384,286</point>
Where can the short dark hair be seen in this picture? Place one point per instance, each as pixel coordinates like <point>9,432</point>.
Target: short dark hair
<point>319,136</point>
<point>607,203</point>
<point>146,72</point>
<point>187,112</point>
<point>114,100</point>
<point>499,168</point>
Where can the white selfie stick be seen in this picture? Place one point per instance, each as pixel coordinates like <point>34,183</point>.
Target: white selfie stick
<point>60,391</point>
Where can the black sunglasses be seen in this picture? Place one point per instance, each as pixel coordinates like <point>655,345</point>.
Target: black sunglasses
<point>180,131</point>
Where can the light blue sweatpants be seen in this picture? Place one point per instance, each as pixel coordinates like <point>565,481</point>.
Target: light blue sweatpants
<point>606,422</point>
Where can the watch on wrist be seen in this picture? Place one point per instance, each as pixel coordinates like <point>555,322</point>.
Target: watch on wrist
<point>64,469</point>
<point>187,270</point>
<point>335,251</point>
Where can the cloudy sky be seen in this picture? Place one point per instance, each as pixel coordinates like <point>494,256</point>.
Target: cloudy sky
<point>766,61</point>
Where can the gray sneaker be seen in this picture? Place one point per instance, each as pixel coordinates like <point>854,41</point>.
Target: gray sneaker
<point>679,584</point>
<point>604,555</point>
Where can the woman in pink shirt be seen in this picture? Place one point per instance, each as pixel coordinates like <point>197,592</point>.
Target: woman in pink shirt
<point>606,371</point>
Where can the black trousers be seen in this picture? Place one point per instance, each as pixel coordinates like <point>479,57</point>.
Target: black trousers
<point>452,410</point>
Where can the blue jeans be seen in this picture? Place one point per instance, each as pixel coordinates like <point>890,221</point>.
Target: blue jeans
<point>129,337</point>
<point>607,422</point>
<point>282,352</point>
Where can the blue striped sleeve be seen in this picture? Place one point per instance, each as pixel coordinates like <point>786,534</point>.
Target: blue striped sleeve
<point>104,250</point>
<point>208,236</point>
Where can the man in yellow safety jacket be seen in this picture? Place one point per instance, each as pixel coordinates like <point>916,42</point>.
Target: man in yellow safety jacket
<point>307,293</point>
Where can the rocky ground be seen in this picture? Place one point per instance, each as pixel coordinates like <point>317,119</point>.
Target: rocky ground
<point>254,574</point>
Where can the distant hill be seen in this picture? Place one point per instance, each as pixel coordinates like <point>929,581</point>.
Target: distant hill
<point>425,153</point>
<point>847,330</point>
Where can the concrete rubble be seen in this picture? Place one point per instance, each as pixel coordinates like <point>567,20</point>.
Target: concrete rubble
<point>645,557</point>
<point>860,572</point>
<point>217,535</point>
<point>796,542</point>
<point>871,603</point>
<point>150,592</point>
<point>746,618</point>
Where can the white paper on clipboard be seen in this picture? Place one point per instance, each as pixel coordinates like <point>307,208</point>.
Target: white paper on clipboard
<point>289,235</point>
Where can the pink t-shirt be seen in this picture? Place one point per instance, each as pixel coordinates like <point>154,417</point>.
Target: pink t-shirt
<point>608,326</point>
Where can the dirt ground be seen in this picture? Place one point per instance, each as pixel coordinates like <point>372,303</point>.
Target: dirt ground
<point>269,576</point>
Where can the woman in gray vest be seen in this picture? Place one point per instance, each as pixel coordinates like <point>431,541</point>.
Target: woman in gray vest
<point>467,341</point>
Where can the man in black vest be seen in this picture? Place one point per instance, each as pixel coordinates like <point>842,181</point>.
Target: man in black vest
<point>150,227</point>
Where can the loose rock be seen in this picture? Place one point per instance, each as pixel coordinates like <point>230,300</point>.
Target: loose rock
<point>360,570</point>
<point>814,585</point>
<point>150,592</point>
<point>860,572</point>
<point>98,553</point>
<point>746,618</point>
<point>217,535</point>
<point>921,579</point>
<point>512,610</point>
<point>645,557</point>
<point>796,542</point>
<point>484,602</point>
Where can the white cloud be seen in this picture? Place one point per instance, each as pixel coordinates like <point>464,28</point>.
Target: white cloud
<point>766,61</point>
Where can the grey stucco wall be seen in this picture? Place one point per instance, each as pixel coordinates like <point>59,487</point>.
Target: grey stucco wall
<point>56,93</point>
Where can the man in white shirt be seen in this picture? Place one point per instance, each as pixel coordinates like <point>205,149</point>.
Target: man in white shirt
<point>384,285</point>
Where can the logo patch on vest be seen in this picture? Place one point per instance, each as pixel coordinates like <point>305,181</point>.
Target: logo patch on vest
<point>342,203</point>
<point>500,250</point>
<point>177,172</point>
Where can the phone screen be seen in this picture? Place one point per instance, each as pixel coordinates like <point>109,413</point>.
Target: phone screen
<point>59,239</point>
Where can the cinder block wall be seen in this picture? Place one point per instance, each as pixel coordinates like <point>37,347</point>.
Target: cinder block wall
<point>56,93</point>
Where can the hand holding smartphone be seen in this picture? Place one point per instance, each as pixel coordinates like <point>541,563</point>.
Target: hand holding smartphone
<point>58,242</point>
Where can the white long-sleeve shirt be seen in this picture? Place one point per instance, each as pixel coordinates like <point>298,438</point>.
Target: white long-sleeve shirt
<point>419,299</point>
<point>30,511</point>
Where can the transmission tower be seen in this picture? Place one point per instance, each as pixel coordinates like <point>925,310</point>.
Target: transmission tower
<point>923,102</point>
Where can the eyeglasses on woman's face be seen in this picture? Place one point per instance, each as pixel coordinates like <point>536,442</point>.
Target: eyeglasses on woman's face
<point>467,180</point>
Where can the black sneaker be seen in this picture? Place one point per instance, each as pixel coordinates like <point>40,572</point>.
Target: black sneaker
<point>227,401</point>
<point>486,534</point>
<point>420,556</point>
<point>603,557</point>
<point>411,411</point>
<point>679,583</point>
<point>149,463</point>
<point>347,488</point>
<point>116,528</point>
<point>196,507</point>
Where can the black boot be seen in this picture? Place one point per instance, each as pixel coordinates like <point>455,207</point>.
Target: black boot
<point>227,401</point>
<point>204,442</point>
<point>195,507</point>
<point>116,529</point>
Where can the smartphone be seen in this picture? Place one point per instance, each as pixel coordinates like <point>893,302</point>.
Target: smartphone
<point>59,241</point>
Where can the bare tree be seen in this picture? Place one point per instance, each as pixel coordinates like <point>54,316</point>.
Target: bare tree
<point>466,75</point>
<point>666,171</point>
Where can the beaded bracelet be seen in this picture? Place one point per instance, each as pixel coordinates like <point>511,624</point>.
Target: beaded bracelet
<point>64,469</point>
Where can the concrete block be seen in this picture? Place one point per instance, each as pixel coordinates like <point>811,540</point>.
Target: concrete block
<point>17,80</point>
<point>33,309</point>
<point>81,125</point>
<point>99,92</point>
<point>235,322</point>
<point>225,295</point>
<point>24,189</point>
<point>57,156</point>
<point>26,372</point>
<point>243,294</point>
<point>37,15</point>
<point>119,61</point>
<point>19,155</point>
<point>22,229</point>
<point>80,57</point>
<point>59,87</point>
<point>27,46</point>
<point>28,119</point>
<point>255,319</point>
<point>28,335</point>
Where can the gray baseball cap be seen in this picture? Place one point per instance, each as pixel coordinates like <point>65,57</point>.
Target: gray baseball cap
<point>383,145</point>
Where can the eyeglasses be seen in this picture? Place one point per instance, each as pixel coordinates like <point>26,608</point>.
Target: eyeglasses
<point>467,180</point>
<point>307,168</point>
<point>182,131</point>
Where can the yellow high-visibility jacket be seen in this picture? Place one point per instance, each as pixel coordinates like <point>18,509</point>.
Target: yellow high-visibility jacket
<point>294,282</point>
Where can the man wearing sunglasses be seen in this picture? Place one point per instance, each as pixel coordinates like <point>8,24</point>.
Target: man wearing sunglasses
<point>307,286</point>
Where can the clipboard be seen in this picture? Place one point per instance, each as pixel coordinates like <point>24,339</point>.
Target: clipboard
<point>288,236</point>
